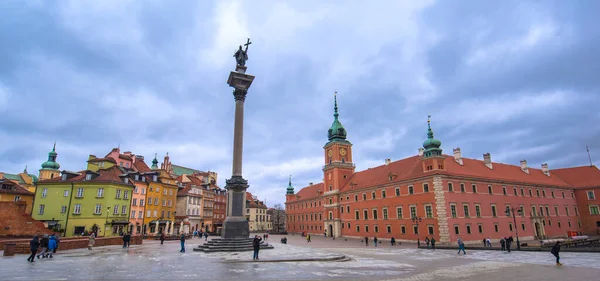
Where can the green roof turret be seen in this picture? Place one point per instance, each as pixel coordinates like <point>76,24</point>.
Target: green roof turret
<point>431,145</point>
<point>154,163</point>
<point>290,188</point>
<point>337,130</point>
<point>51,163</point>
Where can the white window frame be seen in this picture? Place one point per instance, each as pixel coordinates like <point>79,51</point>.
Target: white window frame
<point>80,192</point>
<point>41,209</point>
<point>100,192</point>
<point>98,209</point>
<point>597,210</point>
<point>593,195</point>
<point>116,209</point>
<point>77,209</point>
<point>44,192</point>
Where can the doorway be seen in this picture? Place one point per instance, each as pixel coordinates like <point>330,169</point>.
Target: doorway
<point>330,230</point>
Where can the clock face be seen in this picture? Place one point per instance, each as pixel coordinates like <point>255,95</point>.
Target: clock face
<point>343,151</point>
<point>329,153</point>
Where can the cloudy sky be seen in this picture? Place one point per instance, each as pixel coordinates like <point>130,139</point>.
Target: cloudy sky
<point>518,79</point>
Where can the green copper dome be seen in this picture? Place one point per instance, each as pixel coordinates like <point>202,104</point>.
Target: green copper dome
<point>154,163</point>
<point>51,163</point>
<point>290,188</point>
<point>336,131</point>
<point>431,145</point>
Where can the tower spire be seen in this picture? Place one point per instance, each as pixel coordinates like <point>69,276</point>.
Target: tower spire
<point>54,147</point>
<point>335,107</point>
<point>290,188</point>
<point>431,145</point>
<point>154,163</point>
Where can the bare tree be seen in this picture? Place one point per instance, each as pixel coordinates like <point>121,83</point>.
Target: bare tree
<point>278,218</point>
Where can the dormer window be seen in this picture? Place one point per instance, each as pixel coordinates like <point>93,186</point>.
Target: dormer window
<point>88,177</point>
<point>137,177</point>
<point>126,180</point>
<point>155,178</point>
<point>64,177</point>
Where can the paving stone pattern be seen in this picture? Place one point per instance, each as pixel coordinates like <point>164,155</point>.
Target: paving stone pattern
<point>152,261</point>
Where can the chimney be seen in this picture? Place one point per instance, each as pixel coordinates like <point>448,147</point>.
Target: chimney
<point>388,161</point>
<point>458,156</point>
<point>524,167</point>
<point>310,183</point>
<point>421,151</point>
<point>545,169</point>
<point>487,160</point>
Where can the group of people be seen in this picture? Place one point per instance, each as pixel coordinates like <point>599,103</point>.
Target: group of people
<point>48,243</point>
<point>201,234</point>
<point>432,242</point>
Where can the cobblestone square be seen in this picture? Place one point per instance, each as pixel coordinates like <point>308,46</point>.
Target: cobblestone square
<point>154,261</point>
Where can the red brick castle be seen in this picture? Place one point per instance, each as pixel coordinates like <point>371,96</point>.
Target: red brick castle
<point>434,194</point>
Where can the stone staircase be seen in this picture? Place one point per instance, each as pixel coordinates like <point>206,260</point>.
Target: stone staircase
<point>230,245</point>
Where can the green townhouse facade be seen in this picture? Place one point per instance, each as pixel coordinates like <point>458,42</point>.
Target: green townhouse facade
<point>78,203</point>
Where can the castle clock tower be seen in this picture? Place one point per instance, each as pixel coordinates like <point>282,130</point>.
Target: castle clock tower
<point>337,172</point>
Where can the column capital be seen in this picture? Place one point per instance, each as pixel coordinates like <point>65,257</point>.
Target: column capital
<point>236,183</point>
<point>239,94</point>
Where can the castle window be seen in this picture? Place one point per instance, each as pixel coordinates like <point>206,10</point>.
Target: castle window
<point>425,187</point>
<point>373,195</point>
<point>397,191</point>
<point>330,188</point>
<point>515,191</point>
<point>450,187</point>
<point>504,190</point>
<point>355,197</point>
<point>474,187</point>
<point>462,187</point>
<point>343,160</point>
<point>410,189</point>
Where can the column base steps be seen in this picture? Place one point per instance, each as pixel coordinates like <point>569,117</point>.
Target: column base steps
<point>231,245</point>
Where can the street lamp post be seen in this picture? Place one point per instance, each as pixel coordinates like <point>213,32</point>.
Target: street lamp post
<point>173,225</point>
<point>416,220</point>
<point>508,213</point>
<point>106,220</point>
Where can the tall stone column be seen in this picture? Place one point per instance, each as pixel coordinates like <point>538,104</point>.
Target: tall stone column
<point>236,225</point>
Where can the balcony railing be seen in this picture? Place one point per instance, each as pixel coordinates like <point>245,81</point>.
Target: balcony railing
<point>331,205</point>
<point>339,165</point>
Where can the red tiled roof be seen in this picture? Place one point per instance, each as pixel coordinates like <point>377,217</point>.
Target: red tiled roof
<point>141,166</point>
<point>17,188</point>
<point>105,175</point>
<point>579,177</point>
<point>309,192</point>
<point>505,172</point>
<point>401,170</point>
<point>103,159</point>
<point>123,156</point>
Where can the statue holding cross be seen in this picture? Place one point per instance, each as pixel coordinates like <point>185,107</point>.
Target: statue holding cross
<point>241,56</point>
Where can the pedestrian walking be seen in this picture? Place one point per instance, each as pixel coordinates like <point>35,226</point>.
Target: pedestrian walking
<point>256,246</point>
<point>555,251</point>
<point>205,236</point>
<point>92,241</point>
<point>34,245</point>
<point>162,238</point>
<point>366,241</point>
<point>503,244</point>
<point>44,246</point>
<point>432,243</point>
<point>307,237</point>
<point>489,242</point>
<point>393,241</point>
<point>484,242</point>
<point>126,240</point>
<point>427,241</point>
<point>509,241</point>
<point>461,246</point>
<point>52,244</point>
<point>182,239</point>
<point>57,243</point>
<point>375,241</point>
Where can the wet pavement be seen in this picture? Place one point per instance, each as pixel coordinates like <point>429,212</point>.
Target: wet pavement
<point>152,261</point>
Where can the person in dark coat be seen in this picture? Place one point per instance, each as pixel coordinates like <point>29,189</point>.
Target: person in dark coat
<point>366,241</point>
<point>126,240</point>
<point>44,246</point>
<point>393,241</point>
<point>555,251</point>
<point>432,243</point>
<point>162,238</point>
<point>508,242</point>
<point>256,246</point>
<point>34,245</point>
<point>375,241</point>
<point>503,243</point>
<point>182,239</point>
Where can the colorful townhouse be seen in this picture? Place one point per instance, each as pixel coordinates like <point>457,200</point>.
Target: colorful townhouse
<point>11,191</point>
<point>256,214</point>
<point>23,179</point>
<point>86,201</point>
<point>161,198</point>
